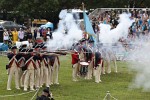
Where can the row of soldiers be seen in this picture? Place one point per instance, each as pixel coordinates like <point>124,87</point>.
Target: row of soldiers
<point>32,67</point>
<point>86,61</point>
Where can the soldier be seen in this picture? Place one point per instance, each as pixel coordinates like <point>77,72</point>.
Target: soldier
<point>37,60</point>
<point>82,56</point>
<point>51,61</point>
<point>44,68</point>
<point>12,68</point>
<point>90,60</point>
<point>29,73</point>
<point>55,70</point>
<point>98,66</point>
<point>75,64</point>
<point>21,63</point>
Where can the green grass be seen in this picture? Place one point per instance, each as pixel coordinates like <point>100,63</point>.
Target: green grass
<point>117,84</point>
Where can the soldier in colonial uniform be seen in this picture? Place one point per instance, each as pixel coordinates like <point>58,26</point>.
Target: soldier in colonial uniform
<point>12,68</point>
<point>37,59</point>
<point>98,66</point>
<point>44,68</point>
<point>75,64</point>
<point>89,59</point>
<point>29,73</point>
<point>51,60</point>
<point>21,61</point>
<point>82,56</point>
<point>56,66</point>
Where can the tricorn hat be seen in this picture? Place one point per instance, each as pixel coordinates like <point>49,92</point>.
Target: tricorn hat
<point>13,47</point>
<point>47,91</point>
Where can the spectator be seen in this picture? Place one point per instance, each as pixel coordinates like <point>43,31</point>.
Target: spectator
<point>49,34</point>
<point>38,34</point>
<point>21,35</point>
<point>10,35</point>
<point>15,35</point>
<point>29,35</point>
<point>35,33</point>
<point>44,31</point>
<point>10,38</point>
<point>29,38</point>
<point>6,36</point>
<point>25,34</point>
<point>40,30</point>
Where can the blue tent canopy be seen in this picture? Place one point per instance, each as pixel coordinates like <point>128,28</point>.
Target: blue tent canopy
<point>48,25</point>
<point>3,47</point>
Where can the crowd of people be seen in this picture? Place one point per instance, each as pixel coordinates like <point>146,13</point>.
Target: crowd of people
<point>13,36</point>
<point>140,26</point>
<point>139,30</point>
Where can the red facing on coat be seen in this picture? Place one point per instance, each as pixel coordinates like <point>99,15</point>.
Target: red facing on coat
<point>75,57</point>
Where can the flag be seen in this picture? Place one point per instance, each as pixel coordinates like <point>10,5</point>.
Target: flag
<point>88,27</point>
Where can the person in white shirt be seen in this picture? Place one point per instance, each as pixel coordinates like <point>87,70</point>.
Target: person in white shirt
<point>21,35</point>
<point>5,36</point>
<point>49,34</point>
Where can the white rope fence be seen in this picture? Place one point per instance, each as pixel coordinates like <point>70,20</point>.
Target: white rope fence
<point>109,96</point>
<point>35,94</point>
<point>3,96</point>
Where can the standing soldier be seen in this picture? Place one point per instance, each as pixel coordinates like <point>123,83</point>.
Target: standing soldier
<point>21,63</point>
<point>75,64</point>
<point>56,69</point>
<point>44,68</point>
<point>98,66</point>
<point>12,68</point>
<point>90,60</point>
<point>82,57</point>
<point>37,60</point>
<point>53,66</point>
<point>20,58</point>
<point>54,63</point>
<point>51,59</point>
<point>29,74</point>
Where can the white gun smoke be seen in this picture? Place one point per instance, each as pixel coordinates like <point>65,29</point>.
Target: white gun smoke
<point>67,33</point>
<point>112,36</point>
<point>139,55</point>
<point>140,63</point>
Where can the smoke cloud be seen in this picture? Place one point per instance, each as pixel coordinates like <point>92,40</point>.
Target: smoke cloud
<point>138,56</point>
<point>140,63</point>
<point>112,36</point>
<point>67,33</point>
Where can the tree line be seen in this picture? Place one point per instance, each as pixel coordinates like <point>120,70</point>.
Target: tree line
<point>49,9</point>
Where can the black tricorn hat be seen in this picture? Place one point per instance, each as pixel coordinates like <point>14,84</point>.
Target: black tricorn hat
<point>29,50</point>
<point>20,49</point>
<point>44,47</point>
<point>82,40</point>
<point>47,91</point>
<point>36,46</point>
<point>13,47</point>
<point>23,50</point>
<point>23,46</point>
<point>91,41</point>
<point>41,45</point>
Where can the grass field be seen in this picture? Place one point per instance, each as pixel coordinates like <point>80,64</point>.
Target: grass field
<point>117,84</point>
